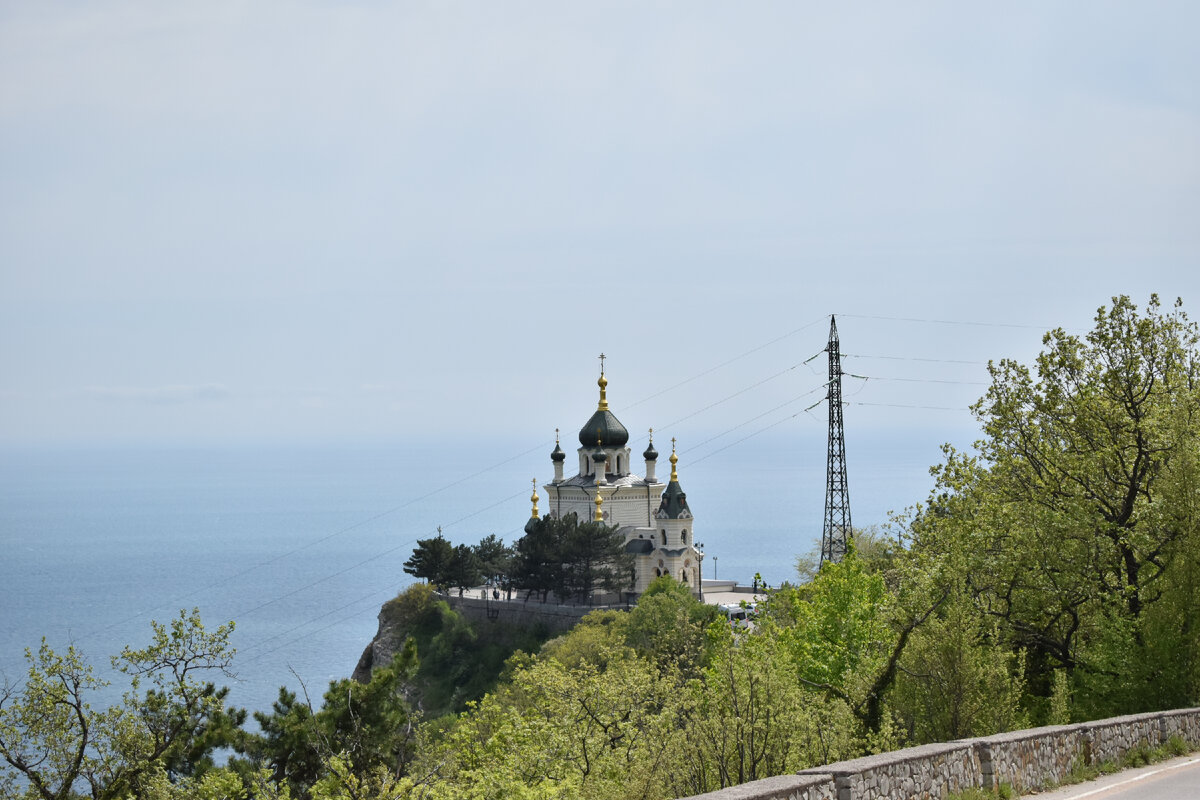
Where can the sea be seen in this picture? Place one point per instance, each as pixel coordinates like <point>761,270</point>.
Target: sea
<point>300,544</point>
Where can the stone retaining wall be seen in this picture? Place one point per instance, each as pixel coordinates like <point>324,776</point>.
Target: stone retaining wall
<point>1027,760</point>
<point>816,786</point>
<point>1184,723</point>
<point>1110,739</point>
<point>929,771</point>
<point>515,612</point>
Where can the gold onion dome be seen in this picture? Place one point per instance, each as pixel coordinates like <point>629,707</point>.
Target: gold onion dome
<point>674,499</point>
<point>603,424</point>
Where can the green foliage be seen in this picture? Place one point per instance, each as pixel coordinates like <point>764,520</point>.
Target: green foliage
<point>668,625</point>
<point>494,558</point>
<point>570,559</point>
<point>1076,527</point>
<point>1060,699</point>
<point>53,740</point>
<point>749,718</point>
<point>463,569</point>
<point>445,565</point>
<point>555,730</point>
<point>369,727</point>
<point>876,550</point>
<point>430,560</point>
<point>459,662</point>
<point>955,682</point>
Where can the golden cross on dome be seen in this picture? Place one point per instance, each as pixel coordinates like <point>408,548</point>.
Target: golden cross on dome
<point>602,357</point>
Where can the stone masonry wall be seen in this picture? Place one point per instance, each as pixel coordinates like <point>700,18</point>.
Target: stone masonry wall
<point>514,612</point>
<point>1184,723</point>
<point>927,772</point>
<point>1110,739</point>
<point>1027,760</point>
<point>783,787</point>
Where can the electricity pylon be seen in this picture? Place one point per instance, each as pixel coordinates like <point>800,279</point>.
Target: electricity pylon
<point>836,532</point>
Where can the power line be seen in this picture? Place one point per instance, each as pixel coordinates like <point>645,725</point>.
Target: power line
<point>751,351</point>
<point>900,405</point>
<point>914,358</point>
<point>313,543</point>
<point>752,419</point>
<point>376,556</point>
<point>730,397</point>
<point>917,380</point>
<point>952,322</point>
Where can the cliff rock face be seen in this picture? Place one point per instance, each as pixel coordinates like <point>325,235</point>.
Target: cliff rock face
<point>389,638</point>
<point>461,650</point>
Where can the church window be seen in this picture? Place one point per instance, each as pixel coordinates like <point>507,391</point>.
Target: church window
<point>664,536</point>
<point>684,536</point>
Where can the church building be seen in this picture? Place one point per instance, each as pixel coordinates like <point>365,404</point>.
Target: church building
<point>654,517</point>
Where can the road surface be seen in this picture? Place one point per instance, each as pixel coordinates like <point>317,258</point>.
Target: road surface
<point>1177,779</point>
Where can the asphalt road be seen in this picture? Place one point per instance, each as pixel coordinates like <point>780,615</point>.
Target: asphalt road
<point>1177,779</point>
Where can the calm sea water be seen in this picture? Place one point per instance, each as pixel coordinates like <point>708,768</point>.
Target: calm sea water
<point>301,545</point>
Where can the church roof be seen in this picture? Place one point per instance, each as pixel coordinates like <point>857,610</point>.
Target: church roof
<point>674,501</point>
<point>605,428</point>
<point>639,546</point>
<point>615,481</point>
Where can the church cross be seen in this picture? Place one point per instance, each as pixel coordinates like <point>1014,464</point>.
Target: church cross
<point>602,357</point>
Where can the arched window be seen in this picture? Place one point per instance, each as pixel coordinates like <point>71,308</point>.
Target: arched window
<point>684,539</point>
<point>683,576</point>
<point>664,536</point>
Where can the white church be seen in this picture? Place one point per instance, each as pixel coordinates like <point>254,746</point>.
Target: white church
<point>654,517</point>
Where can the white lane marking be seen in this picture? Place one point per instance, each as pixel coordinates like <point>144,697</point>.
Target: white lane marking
<point>1134,779</point>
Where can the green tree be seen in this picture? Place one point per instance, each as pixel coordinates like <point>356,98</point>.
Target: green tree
<point>369,726</point>
<point>846,632</point>
<point>537,563</point>
<point>957,679</point>
<point>559,731</point>
<point>463,569</point>
<point>748,718</point>
<point>430,560</point>
<point>593,559</point>
<point>669,626</point>
<point>1074,519</point>
<point>494,558</point>
<point>52,739</point>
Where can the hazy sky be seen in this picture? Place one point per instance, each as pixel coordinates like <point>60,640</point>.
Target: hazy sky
<point>260,220</point>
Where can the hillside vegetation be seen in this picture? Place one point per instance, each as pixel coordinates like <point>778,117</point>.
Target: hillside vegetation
<point>1053,575</point>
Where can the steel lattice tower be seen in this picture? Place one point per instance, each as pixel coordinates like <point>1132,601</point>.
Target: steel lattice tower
<point>837,497</point>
